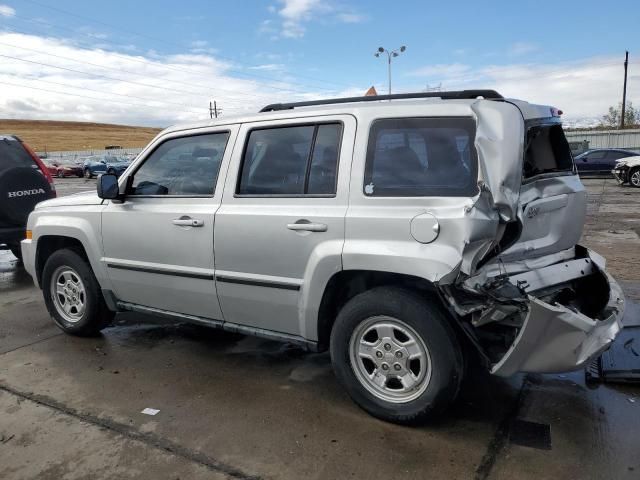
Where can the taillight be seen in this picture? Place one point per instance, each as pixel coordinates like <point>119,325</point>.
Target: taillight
<point>42,167</point>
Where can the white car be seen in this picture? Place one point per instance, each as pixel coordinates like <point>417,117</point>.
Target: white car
<point>627,170</point>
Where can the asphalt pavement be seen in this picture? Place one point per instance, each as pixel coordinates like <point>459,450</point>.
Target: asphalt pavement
<point>240,407</point>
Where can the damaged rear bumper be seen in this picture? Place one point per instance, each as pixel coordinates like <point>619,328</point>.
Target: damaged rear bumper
<point>557,338</point>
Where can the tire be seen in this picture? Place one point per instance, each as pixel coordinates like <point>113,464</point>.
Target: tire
<point>111,171</point>
<point>411,316</point>
<point>60,174</point>
<point>16,250</point>
<point>93,314</point>
<point>634,177</point>
<point>87,173</point>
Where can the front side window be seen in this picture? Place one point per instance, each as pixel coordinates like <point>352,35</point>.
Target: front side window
<point>186,166</point>
<point>292,160</point>
<point>421,157</point>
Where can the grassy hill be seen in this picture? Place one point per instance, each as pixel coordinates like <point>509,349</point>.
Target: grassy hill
<point>53,135</point>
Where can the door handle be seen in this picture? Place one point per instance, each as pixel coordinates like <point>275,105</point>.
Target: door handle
<point>307,227</point>
<point>187,222</point>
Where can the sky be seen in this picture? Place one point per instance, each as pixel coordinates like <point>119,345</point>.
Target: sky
<point>162,62</point>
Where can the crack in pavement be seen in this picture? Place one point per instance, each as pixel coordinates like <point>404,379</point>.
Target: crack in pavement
<point>149,439</point>
<point>32,343</point>
<point>501,435</point>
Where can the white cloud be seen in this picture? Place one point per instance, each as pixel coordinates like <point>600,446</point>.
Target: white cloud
<point>296,13</point>
<point>581,89</point>
<point>268,67</point>
<point>522,48</point>
<point>167,88</point>
<point>7,11</point>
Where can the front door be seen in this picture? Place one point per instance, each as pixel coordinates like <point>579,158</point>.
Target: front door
<point>158,243</point>
<point>283,211</point>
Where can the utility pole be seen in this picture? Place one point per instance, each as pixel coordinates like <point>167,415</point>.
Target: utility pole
<point>214,110</point>
<point>624,89</point>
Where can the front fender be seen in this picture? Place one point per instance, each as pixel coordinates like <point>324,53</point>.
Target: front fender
<point>82,224</point>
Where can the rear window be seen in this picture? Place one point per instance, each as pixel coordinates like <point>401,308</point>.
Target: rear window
<point>13,154</point>
<point>547,151</point>
<point>421,157</point>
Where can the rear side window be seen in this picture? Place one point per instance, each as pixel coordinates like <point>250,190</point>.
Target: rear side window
<point>409,157</point>
<point>186,166</point>
<point>547,151</point>
<point>292,160</point>
<point>13,154</point>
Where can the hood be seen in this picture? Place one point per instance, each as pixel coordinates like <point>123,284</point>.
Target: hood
<point>629,161</point>
<point>83,198</point>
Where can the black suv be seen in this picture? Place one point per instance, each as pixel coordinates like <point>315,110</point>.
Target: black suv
<point>24,181</point>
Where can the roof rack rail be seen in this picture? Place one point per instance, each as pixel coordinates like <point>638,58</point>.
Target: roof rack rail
<point>452,95</point>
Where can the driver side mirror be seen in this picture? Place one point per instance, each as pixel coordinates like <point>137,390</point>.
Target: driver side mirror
<point>107,187</point>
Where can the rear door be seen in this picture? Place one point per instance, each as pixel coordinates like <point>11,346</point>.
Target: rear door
<point>282,212</point>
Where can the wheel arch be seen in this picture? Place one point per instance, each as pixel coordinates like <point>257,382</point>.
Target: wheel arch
<point>50,235</point>
<point>48,244</point>
<point>346,284</point>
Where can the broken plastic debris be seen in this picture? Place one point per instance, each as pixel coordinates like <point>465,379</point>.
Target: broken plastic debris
<point>150,411</point>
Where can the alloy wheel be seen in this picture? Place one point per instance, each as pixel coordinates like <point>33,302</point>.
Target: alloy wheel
<point>68,294</point>
<point>390,359</point>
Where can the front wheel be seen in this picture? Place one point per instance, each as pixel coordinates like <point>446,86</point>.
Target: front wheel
<point>634,177</point>
<point>72,294</point>
<point>396,354</point>
<point>87,173</point>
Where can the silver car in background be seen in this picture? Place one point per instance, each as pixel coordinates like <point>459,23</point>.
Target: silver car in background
<point>404,233</point>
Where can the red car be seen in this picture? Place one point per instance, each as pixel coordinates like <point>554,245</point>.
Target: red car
<point>64,168</point>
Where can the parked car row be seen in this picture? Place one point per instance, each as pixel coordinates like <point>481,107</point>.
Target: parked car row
<point>600,161</point>
<point>88,167</point>
<point>623,164</point>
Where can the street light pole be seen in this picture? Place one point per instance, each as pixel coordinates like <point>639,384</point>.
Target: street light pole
<point>390,55</point>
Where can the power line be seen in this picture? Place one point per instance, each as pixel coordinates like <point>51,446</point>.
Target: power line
<point>166,42</point>
<point>164,102</point>
<point>160,65</point>
<point>81,96</point>
<point>132,73</point>
<point>96,75</point>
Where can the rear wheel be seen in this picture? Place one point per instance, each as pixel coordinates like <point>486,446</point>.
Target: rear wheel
<point>87,173</point>
<point>634,177</point>
<point>60,174</point>
<point>72,294</point>
<point>396,354</point>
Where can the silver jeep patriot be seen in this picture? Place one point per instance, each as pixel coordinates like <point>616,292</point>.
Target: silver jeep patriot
<point>408,234</point>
